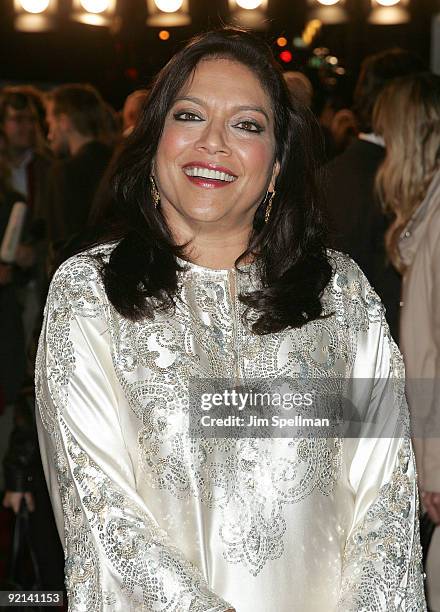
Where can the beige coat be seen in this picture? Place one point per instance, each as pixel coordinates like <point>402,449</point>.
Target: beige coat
<point>419,247</point>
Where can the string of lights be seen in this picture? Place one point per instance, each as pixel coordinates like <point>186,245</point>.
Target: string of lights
<point>37,15</point>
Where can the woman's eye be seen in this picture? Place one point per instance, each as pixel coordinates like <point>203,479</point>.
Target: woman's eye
<point>186,116</point>
<point>249,126</point>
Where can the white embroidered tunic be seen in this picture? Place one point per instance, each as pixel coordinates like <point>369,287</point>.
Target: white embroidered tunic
<point>152,519</point>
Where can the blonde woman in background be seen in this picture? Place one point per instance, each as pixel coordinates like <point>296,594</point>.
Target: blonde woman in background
<point>407,115</point>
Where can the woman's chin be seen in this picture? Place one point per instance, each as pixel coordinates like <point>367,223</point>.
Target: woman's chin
<point>205,215</point>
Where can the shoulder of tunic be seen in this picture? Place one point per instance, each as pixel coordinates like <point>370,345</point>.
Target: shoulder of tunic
<point>349,294</point>
<point>78,283</point>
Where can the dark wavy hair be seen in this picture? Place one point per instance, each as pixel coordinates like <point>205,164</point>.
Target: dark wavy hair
<point>289,250</point>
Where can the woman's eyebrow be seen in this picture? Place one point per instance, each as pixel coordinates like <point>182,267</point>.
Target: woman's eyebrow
<point>243,107</point>
<point>190,99</point>
<point>257,109</point>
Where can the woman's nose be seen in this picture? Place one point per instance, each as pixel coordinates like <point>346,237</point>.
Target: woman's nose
<point>213,139</point>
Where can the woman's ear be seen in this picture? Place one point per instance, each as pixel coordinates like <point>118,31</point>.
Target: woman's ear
<point>275,173</point>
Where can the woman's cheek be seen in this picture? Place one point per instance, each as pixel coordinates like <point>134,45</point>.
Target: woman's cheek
<point>260,155</point>
<point>175,140</point>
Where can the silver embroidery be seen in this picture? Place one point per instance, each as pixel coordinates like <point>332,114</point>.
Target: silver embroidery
<point>156,384</point>
<point>251,483</point>
<point>376,557</point>
<point>136,548</point>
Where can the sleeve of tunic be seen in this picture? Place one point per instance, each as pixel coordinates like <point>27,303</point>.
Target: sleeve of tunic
<point>117,557</point>
<point>382,568</point>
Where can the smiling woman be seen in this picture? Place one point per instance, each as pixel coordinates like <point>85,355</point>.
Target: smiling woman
<point>221,105</point>
<point>216,276</point>
<point>216,160</point>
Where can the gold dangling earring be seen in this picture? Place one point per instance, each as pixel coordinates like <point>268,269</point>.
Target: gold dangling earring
<point>154,192</point>
<point>269,206</point>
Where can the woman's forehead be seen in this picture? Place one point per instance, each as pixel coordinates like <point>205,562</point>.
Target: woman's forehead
<point>225,78</point>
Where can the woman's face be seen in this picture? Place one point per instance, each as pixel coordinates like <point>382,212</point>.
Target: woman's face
<point>216,157</point>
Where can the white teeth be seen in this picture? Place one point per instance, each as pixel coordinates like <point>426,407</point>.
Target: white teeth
<point>209,174</point>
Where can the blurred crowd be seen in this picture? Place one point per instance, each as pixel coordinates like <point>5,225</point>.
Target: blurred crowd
<point>382,189</point>
<point>54,152</point>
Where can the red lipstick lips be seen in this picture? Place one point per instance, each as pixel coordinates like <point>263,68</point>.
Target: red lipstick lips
<point>210,182</point>
<point>200,164</point>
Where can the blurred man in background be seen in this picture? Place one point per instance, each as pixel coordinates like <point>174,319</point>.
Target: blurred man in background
<point>358,222</point>
<point>77,121</point>
<point>132,110</point>
<point>30,177</point>
<point>299,86</point>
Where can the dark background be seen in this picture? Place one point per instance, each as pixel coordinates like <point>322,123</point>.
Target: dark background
<point>122,59</point>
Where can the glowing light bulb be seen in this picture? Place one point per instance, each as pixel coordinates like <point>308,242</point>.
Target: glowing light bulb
<point>168,6</point>
<point>388,2</point>
<point>95,6</point>
<point>249,4</point>
<point>328,2</point>
<point>35,6</point>
<point>286,56</point>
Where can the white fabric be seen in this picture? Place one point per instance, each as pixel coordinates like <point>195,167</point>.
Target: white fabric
<point>19,178</point>
<point>153,520</point>
<point>373,138</point>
